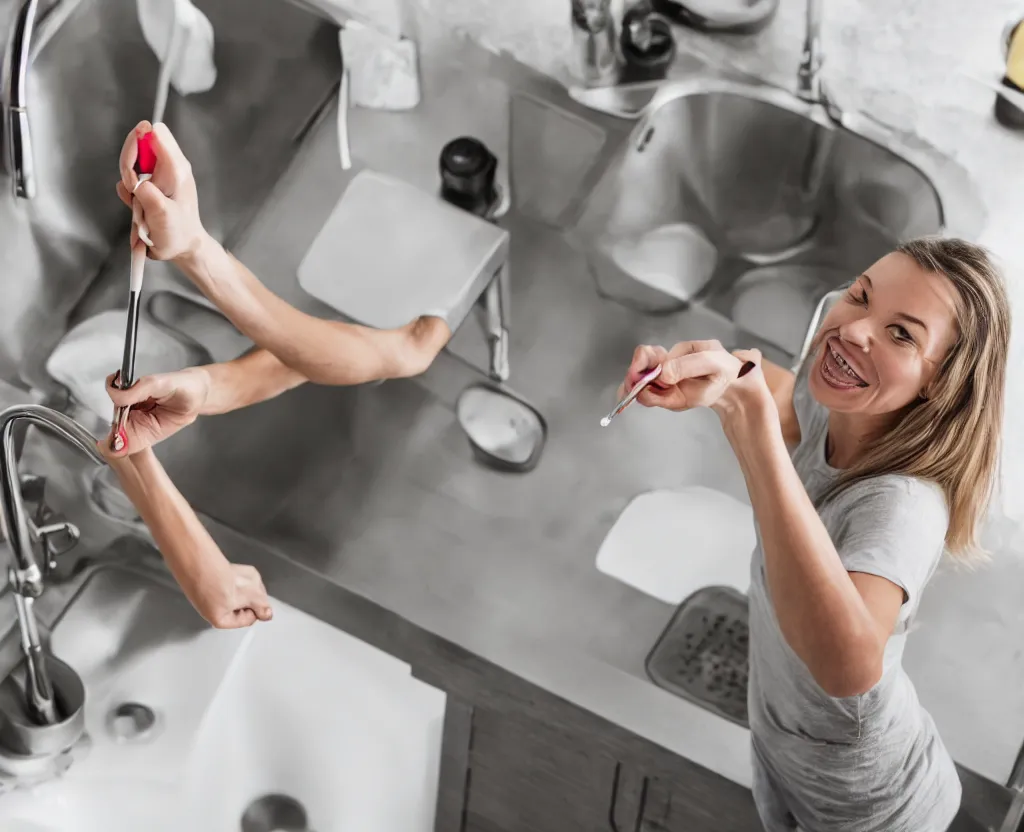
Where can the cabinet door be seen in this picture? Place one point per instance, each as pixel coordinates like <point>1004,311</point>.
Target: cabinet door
<point>681,803</point>
<point>525,776</point>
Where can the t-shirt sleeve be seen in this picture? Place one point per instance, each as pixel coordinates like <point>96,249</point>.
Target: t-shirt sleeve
<point>810,415</point>
<point>893,527</point>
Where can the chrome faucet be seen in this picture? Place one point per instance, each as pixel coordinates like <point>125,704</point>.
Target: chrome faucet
<point>17,138</point>
<point>26,575</point>
<point>809,86</point>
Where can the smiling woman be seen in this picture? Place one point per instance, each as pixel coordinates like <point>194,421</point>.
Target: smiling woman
<point>912,369</point>
<point>862,470</point>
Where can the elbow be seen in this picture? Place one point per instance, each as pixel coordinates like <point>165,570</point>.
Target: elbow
<point>422,340</point>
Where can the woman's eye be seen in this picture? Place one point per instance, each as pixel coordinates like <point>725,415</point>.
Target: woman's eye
<point>901,333</point>
<point>858,296</point>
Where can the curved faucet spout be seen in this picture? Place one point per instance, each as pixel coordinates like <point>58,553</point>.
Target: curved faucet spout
<point>29,577</point>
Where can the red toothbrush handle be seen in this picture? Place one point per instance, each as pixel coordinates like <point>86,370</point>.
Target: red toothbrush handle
<point>146,161</point>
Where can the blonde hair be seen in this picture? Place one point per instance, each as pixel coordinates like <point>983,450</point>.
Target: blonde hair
<point>951,436</point>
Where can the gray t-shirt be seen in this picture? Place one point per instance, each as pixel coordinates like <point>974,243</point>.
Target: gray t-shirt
<point>868,763</point>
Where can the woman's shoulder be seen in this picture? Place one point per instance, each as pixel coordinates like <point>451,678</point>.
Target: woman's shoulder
<point>897,498</point>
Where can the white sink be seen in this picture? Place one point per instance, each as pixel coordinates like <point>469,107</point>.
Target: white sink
<point>293,708</point>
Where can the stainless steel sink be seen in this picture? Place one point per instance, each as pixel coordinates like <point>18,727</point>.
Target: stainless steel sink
<point>793,201</point>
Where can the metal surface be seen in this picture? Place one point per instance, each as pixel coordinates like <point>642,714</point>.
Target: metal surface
<point>92,79</point>
<point>18,155</point>
<point>504,432</point>
<point>630,397</point>
<point>733,159</point>
<point>593,41</point>
<point>702,655</point>
<point>274,813</point>
<point>20,732</point>
<point>26,576</point>
<point>809,75</point>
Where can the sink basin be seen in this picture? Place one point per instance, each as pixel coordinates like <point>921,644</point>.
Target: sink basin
<point>771,184</point>
<point>356,750</point>
<point>188,727</point>
<point>86,805</point>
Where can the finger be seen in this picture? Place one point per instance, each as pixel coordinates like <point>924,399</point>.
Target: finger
<point>148,387</point>
<point>241,618</point>
<point>152,204</point>
<point>645,359</point>
<point>748,355</point>
<point>695,365</point>
<point>123,194</point>
<point>129,154</point>
<point>172,169</point>
<point>691,347</point>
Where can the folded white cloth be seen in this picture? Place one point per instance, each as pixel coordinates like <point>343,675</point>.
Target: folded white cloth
<point>182,36</point>
<point>670,543</point>
<point>92,350</point>
<point>383,69</point>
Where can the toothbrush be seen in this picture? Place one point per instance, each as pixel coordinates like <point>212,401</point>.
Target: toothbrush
<point>144,166</point>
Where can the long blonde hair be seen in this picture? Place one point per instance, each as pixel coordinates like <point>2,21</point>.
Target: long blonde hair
<point>952,436</point>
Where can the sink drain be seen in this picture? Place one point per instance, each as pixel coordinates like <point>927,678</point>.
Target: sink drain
<point>132,722</point>
<point>702,654</point>
<point>275,813</point>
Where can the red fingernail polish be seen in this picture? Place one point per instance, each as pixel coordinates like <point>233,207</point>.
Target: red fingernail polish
<point>746,368</point>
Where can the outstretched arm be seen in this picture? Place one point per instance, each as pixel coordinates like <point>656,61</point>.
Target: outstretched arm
<point>324,352</point>
<point>227,595</point>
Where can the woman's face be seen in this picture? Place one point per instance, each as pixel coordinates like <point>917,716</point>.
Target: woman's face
<point>882,344</point>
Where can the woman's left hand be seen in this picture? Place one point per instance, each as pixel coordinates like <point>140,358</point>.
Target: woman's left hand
<point>693,374</point>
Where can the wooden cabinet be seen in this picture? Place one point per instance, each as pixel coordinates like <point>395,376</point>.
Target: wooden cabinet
<point>527,776</point>
<point>505,772</point>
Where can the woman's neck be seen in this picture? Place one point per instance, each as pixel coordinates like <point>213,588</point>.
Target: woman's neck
<point>848,434</point>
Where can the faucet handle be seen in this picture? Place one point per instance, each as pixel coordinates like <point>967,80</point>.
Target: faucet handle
<point>33,488</point>
<point>58,539</point>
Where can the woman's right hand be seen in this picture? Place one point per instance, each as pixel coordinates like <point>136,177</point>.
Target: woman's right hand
<point>169,201</point>
<point>161,405</point>
<point>693,374</point>
<point>235,598</point>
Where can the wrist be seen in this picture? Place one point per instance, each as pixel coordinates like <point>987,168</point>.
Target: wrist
<point>196,260</point>
<point>747,407</point>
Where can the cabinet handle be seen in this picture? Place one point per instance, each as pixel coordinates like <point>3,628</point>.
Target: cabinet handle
<point>641,809</point>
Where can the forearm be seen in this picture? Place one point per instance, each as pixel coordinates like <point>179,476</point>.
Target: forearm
<point>193,557</point>
<point>324,352</point>
<point>820,611</point>
<point>254,377</point>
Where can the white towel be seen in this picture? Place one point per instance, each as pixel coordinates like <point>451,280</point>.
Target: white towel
<point>92,350</point>
<point>383,69</point>
<point>670,543</point>
<point>191,63</point>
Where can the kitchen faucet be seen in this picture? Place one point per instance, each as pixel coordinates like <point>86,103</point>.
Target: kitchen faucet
<point>17,139</point>
<point>809,86</point>
<point>23,43</point>
<point>26,575</point>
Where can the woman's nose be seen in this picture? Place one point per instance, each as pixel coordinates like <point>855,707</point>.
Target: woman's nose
<point>858,333</point>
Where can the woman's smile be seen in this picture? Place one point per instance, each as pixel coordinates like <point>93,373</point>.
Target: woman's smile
<point>837,369</point>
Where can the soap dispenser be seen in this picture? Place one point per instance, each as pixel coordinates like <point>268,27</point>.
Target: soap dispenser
<point>1007,113</point>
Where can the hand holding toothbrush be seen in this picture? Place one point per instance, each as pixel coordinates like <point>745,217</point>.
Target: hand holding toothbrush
<point>166,206</point>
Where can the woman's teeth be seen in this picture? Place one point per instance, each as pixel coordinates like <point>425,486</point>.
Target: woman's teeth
<point>838,372</point>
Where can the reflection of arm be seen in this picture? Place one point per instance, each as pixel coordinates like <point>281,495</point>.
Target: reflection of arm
<point>254,377</point>
<point>205,575</point>
<point>324,352</point>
